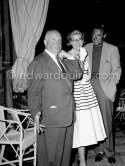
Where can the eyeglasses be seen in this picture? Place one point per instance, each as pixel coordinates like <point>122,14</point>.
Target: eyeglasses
<point>77,40</point>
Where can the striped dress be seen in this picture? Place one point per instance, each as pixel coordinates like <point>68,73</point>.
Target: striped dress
<point>88,123</point>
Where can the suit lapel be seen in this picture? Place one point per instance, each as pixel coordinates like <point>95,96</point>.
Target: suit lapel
<point>55,68</point>
<point>90,55</point>
<point>52,65</point>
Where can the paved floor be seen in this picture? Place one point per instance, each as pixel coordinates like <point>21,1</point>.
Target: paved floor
<point>119,148</point>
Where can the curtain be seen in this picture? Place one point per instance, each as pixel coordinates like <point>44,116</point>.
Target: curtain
<point>27,20</point>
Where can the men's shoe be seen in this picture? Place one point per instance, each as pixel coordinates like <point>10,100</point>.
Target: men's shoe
<point>111,159</point>
<point>98,157</point>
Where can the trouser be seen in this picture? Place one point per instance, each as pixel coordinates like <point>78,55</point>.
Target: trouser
<point>54,146</point>
<point>106,107</point>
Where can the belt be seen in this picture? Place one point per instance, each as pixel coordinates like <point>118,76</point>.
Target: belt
<point>95,76</point>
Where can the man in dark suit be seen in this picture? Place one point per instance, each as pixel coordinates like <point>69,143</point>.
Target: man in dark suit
<point>104,60</point>
<point>51,101</point>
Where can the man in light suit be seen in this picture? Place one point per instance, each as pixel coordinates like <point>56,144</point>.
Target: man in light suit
<point>105,67</point>
<point>51,101</point>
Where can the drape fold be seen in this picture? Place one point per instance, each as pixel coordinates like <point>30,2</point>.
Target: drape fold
<point>27,20</point>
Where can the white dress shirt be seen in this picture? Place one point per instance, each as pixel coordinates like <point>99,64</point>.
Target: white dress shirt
<point>53,57</point>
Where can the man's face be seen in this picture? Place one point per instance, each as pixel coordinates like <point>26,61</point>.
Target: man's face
<point>54,43</point>
<point>97,36</point>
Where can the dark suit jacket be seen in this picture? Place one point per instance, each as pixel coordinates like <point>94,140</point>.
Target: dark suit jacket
<point>50,92</point>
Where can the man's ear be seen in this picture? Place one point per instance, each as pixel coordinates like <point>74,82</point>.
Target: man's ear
<point>104,36</point>
<point>45,42</point>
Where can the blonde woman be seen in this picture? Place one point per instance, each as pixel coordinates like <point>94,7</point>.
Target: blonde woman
<point>88,125</point>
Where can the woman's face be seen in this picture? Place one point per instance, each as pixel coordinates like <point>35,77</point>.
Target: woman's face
<point>76,41</point>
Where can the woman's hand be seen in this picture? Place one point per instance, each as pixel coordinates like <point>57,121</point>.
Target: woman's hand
<point>84,65</point>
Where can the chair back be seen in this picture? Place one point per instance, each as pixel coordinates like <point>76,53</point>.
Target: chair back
<point>14,115</point>
<point>2,123</point>
<point>24,139</point>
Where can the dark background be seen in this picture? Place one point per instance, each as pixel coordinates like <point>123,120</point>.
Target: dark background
<point>66,15</point>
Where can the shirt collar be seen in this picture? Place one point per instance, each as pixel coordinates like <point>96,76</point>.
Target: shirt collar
<point>100,45</point>
<point>50,54</point>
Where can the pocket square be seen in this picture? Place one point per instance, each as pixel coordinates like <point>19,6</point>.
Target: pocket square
<point>53,106</point>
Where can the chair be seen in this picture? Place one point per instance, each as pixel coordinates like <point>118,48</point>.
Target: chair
<point>120,110</point>
<point>21,141</point>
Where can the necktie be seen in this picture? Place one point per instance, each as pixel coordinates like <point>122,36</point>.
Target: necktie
<point>60,64</point>
<point>64,71</point>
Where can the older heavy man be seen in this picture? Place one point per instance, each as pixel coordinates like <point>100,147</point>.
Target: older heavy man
<point>51,101</point>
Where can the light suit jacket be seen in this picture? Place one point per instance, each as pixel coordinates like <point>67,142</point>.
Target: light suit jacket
<point>49,92</point>
<point>110,69</point>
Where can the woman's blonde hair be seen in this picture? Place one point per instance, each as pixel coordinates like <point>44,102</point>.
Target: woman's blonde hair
<point>74,32</point>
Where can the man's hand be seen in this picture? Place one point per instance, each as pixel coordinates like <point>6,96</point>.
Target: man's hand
<point>39,127</point>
